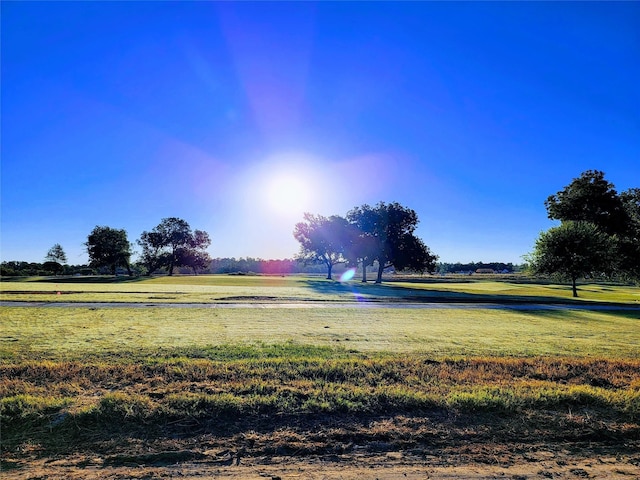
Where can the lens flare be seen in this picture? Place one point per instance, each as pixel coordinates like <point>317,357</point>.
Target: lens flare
<point>348,275</point>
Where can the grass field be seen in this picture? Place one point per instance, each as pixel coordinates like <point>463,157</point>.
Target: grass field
<point>126,385</point>
<point>239,288</point>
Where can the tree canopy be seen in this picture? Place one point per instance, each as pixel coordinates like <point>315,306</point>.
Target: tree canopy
<point>382,233</point>
<point>387,236</point>
<point>574,250</point>
<point>600,231</point>
<point>109,247</point>
<point>56,254</point>
<point>589,198</point>
<point>172,244</point>
<point>324,240</point>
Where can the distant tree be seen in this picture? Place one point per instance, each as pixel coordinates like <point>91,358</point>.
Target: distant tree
<point>56,254</point>
<point>109,247</point>
<point>55,259</point>
<point>387,236</point>
<point>573,250</point>
<point>589,198</point>
<point>323,240</point>
<point>173,244</point>
<point>53,267</point>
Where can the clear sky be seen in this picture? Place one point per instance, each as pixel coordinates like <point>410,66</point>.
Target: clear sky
<point>238,117</point>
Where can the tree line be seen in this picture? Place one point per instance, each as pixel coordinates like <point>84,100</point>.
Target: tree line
<point>598,236</point>
<point>599,233</point>
<point>169,245</point>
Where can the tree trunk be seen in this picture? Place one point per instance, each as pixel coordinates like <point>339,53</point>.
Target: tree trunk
<point>573,285</point>
<point>364,271</point>
<point>329,267</point>
<point>380,270</point>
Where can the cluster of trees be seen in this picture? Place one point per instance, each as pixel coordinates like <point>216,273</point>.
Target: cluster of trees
<point>599,234</point>
<point>473,266</point>
<point>29,269</point>
<point>170,244</point>
<point>383,234</point>
<point>259,265</point>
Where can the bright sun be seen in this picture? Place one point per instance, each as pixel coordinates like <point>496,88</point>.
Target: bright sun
<point>287,194</point>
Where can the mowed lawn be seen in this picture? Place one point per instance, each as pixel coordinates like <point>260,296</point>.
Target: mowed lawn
<point>295,288</point>
<point>46,332</point>
<point>129,381</point>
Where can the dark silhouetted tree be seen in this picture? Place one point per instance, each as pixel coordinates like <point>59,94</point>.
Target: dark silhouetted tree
<point>173,244</point>
<point>55,259</point>
<point>387,236</point>
<point>109,247</point>
<point>153,255</point>
<point>629,240</point>
<point>365,245</point>
<point>589,198</point>
<point>56,254</point>
<point>324,240</point>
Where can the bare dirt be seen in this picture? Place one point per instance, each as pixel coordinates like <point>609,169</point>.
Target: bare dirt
<point>435,445</point>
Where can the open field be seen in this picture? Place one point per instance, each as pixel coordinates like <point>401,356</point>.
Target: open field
<point>239,288</point>
<point>342,391</point>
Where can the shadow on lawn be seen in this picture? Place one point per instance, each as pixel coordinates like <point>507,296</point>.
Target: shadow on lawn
<point>388,292</point>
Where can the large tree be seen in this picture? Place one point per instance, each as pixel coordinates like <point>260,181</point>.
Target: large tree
<point>324,240</point>
<point>629,240</point>
<point>365,245</point>
<point>388,236</point>
<point>590,198</point>
<point>172,244</point>
<point>574,250</point>
<point>109,247</point>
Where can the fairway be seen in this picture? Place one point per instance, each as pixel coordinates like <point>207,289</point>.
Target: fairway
<point>73,332</point>
<point>155,374</point>
<point>252,288</point>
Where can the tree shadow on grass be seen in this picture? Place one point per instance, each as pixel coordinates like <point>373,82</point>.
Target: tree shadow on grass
<point>390,292</point>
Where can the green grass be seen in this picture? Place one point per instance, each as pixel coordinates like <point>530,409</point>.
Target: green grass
<point>75,377</point>
<point>46,332</point>
<point>242,288</point>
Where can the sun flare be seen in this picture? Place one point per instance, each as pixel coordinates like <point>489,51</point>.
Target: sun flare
<point>288,194</point>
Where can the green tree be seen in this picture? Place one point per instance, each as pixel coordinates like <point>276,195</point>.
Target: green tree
<point>56,254</point>
<point>629,240</point>
<point>387,236</point>
<point>153,255</point>
<point>592,198</point>
<point>109,247</point>
<point>573,250</point>
<point>323,240</point>
<point>173,244</point>
<point>589,198</point>
<point>55,259</point>
<point>365,245</point>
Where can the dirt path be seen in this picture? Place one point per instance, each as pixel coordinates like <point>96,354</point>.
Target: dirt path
<point>535,465</point>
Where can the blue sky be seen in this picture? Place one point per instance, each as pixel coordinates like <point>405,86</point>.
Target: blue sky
<point>238,117</point>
